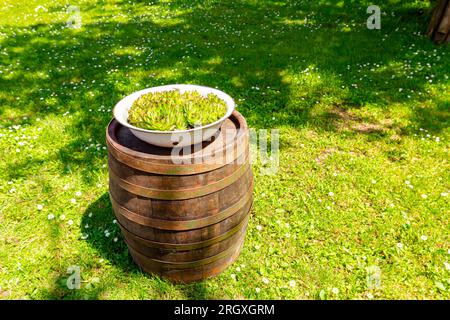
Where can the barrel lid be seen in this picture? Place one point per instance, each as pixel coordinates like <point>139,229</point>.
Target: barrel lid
<point>229,144</point>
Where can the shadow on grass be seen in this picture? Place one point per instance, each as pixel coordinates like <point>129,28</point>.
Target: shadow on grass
<point>104,235</point>
<point>97,221</point>
<point>91,288</point>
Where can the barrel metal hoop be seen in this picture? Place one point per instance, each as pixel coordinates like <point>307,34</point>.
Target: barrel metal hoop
<point>181,225</point>
<point>180,194</point>
<point>175,169</point>
<point>187,265</point>
<point>195,245</point>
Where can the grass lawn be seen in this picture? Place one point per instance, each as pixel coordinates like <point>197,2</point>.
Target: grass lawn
<point>359,208</point>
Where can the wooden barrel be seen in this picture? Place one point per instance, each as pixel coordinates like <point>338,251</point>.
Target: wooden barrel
<point>183,212</point>
<point>439,28</point>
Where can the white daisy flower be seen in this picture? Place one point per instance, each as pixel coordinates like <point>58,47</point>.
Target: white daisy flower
<point>447,266</point>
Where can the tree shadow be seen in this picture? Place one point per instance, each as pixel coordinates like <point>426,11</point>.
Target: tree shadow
<point>102,233</point>
<point>98,219</point>
<point>58,288</point>
<point>252,51</point>
<point>264,42</point>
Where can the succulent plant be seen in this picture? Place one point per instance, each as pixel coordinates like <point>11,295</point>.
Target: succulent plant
<point>173,110</point>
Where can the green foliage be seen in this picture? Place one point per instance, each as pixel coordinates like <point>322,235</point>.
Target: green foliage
<point>172,110</point>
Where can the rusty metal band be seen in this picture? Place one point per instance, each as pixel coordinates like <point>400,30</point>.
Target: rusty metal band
<point>177,169</point>
<point>239,228</point>
<point>187,265</point>
<point>211,270</point>
<point>179,194</point>
<point>181,225</point>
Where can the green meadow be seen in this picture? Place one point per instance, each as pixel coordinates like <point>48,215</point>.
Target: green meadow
<point>359,205</point>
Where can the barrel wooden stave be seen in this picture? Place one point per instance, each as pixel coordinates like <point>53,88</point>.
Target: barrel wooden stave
<point>186,236</point>
<point>183,254</point>
<point>186,209</point>
<point>168,182</point>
